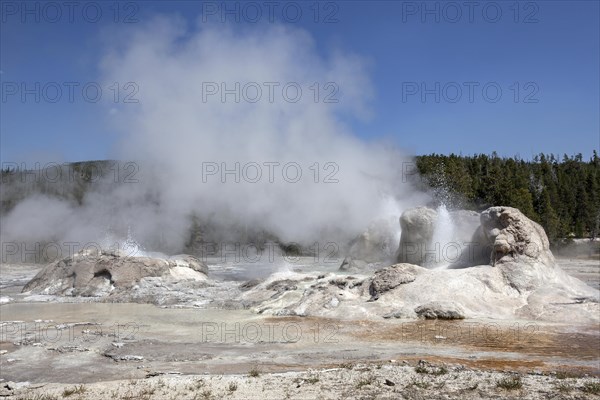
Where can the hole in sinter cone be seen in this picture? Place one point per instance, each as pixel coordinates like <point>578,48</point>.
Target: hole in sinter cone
<point>104,274</point>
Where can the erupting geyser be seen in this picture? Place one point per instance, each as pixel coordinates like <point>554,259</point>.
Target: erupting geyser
<point>443,235</point>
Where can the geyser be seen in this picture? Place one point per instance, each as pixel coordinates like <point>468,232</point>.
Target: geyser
<point>441,238</point>
<point>443,233</point>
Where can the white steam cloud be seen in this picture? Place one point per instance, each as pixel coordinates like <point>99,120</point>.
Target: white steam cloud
<point>179,132</point>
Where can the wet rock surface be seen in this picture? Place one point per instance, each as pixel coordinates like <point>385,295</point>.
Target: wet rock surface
<point>185,343</point>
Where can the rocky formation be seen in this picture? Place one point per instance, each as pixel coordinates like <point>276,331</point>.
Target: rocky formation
<point>351,265</point>
<point>440,310</point>
<point>519,247</point>
<point>93,273</point>
<point>519,279</point>
<point>410,291</point>
<point>417,226</point>
<point>389,278</point>
<point>290,293</point>
<point>373,249</point>
<point>377,243</point>
<point>465,223</point>
<point>475,251</point>
<point>515,237</point>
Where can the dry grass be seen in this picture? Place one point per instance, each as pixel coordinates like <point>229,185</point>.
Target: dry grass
<point>80,389</point>
<point>254,372</point>
<point>366,381</point>
<point>591,387</point>
<point>510,383</point>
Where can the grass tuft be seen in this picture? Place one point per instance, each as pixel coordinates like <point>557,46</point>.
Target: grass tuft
<point>563,387</point>
<point>419,369</point>
<point>566,375</point>
<point>254,372</point>
<point>420,384</point>
<point>369,380</point>
<point>591,387</point>
<point>440,371</point>
<point>510,383</point>
<point>80,389</point>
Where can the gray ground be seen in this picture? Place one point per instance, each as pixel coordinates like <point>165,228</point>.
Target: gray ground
<point>143,351</point>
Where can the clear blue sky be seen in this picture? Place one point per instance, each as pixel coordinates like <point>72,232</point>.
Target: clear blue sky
<point>547,50</point>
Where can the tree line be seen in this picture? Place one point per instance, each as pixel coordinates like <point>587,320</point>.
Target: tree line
<point>562,194</point>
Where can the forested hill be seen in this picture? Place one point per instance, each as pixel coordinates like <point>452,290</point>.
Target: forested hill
<point>562,194</point>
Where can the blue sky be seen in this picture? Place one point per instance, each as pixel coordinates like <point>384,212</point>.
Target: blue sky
<point>543,56</point>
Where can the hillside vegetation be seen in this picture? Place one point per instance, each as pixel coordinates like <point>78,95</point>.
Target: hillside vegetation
<point>562,194</point>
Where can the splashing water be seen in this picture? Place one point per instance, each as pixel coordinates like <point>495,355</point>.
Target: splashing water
<point>443,235</point>
<point>128,247</point>
<point>131,247</point>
